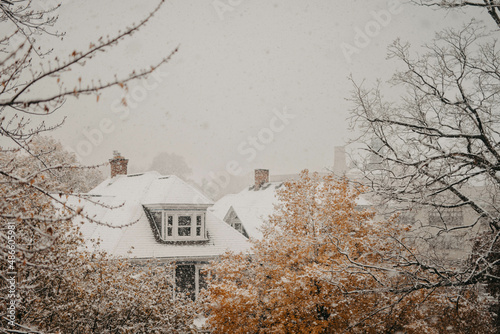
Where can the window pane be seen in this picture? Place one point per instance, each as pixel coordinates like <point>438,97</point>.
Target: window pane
<point>203,278</point>
<point>169,231</point>
<point>170,220</point>
<point>198,220</point>
<point>184,220</point>
<point>185,280</point>
<point>198,231</point>
<point>184,231</point>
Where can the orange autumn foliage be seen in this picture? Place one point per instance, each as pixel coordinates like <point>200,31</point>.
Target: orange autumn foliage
<point>326,266</point>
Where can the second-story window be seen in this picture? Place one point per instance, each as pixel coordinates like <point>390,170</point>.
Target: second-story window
<point>180,225</point>
<point>184,226</point>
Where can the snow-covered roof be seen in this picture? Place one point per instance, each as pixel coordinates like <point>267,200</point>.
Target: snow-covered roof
<point>151,188</point>
<point>361,201</point>
<point>128,194</point>
<point>251,206</point>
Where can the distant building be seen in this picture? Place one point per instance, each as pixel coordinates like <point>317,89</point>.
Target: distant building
<point>166,219</point>
<point>247,210</point>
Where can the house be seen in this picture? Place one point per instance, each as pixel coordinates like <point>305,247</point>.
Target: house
<point>445,231</point>
<point>151,216</point>
<point>247,210</point>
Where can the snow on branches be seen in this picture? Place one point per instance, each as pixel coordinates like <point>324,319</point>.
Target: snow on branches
<point>327,266</point>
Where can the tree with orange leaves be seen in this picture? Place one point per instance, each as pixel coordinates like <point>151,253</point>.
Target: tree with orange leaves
<point>326,266</point>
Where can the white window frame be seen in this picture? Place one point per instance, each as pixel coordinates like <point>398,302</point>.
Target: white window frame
<point>197,268</point>
<point>175,225</point>
<point>232,219</point>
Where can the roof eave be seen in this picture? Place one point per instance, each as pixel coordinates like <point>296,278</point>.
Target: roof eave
<point>177,207</point>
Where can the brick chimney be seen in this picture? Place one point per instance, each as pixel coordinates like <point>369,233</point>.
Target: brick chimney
<point>261,177</point>
<point>339,161</point>
<point>118,164</point>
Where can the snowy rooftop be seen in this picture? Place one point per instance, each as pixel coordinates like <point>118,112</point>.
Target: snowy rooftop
<point>128,193</point>
<point>253,207</point>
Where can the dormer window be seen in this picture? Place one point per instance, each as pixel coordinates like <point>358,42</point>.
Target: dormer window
<point>183,224</point>
<point>235,222</point>
<point>180,225</point>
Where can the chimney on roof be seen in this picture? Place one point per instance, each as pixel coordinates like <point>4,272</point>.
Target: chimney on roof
<point>118,164</point>
<point>261,177</point>
<point>339,161</point>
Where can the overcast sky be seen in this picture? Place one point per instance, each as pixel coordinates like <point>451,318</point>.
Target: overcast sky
<point>256,83</point>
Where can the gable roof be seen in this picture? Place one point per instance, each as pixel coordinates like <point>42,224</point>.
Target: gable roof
<point>152,188</point>
<point>251,206</point>
<point>127,194</point>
